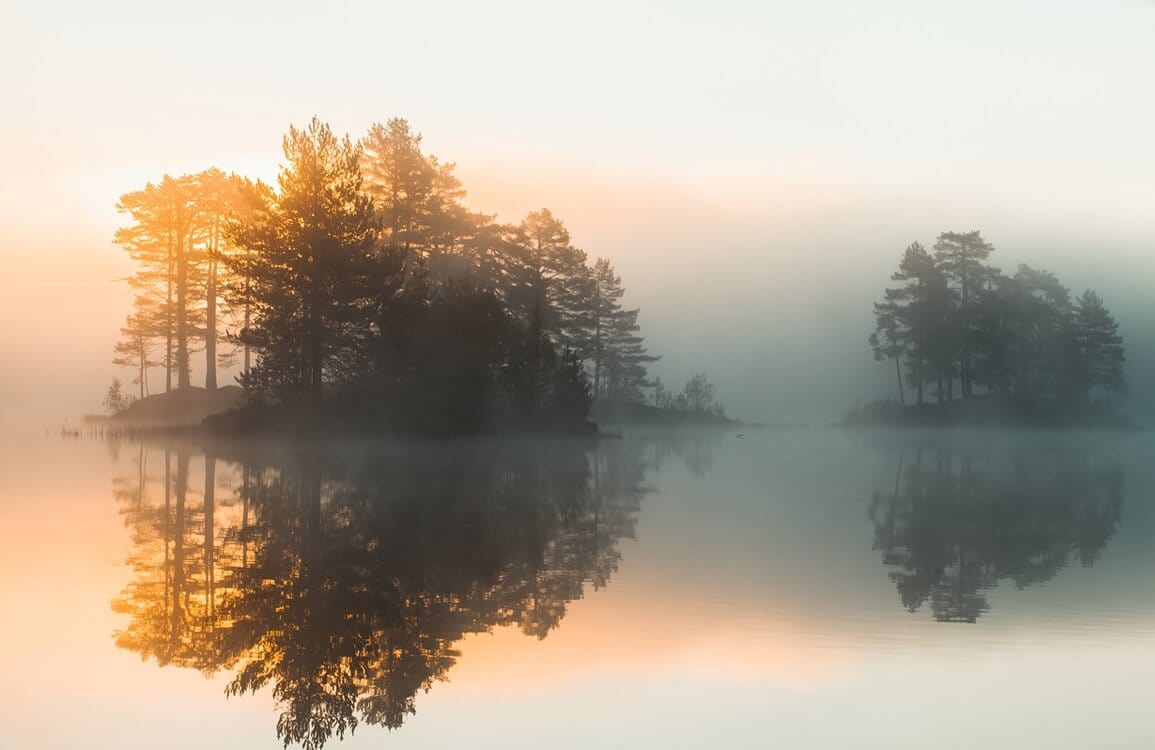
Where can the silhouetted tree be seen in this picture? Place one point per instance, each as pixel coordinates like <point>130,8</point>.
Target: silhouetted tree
<point>698,395</point>
<point>114,399</point>
<point>137,343</point>
<point>960,257</point>
<point>418,200</point>
<point>605,303</point>
<point>956,318</point>
<point>661,396</point>
<point>315,253</point>
<point>886,341</point>
<point>1098,345</point>
<point>218,202</point>
<point>363,279</point>
<point>558,281</point>
<point>915,314</point>
<point>161,241</point>
<point>626,358</point>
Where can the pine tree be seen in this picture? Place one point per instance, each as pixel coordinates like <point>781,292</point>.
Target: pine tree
<point>313,260</point>
<point>960,258</point>
<point>1098,345</point>
<point>885,341</point>
<point>161,240</point>
<point>418,199</point>
<point>605,305</point>
<point>552,290</point>
<point>217,202</point>
<point>625,357</point>
<point>955,316</point>
<point>137,342</point>
<point>1039,331</point>
<point>910,321</point>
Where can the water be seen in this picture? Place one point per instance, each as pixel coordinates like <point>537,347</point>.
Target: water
<point>795,588</point>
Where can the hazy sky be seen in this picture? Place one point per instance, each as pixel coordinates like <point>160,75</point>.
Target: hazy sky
<point>751,168</point>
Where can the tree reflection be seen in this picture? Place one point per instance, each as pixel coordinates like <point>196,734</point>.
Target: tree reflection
<point>957,523</point>
<point>343,580</point>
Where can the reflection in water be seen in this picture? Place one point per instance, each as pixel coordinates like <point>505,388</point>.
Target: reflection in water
<point>344,580</point>
<point>959,522</point>
<point>695,450</point>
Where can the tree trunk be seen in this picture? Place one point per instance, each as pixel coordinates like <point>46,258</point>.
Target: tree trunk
<point>597,341</point>
<point>142,374</point>
<point>182,356</point>
<point>316,369</point>
<point>918,378</point>
<point>211,326</point>
<point>898,373</point>
<point>168,319</point>
<point>316,324</point>
<point>248,318</point>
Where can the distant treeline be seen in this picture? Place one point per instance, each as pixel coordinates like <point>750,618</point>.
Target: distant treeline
<point>361,278</point>
<point>956,327</point>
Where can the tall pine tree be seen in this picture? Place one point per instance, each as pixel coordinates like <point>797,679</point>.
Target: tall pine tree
<point>314,257</point>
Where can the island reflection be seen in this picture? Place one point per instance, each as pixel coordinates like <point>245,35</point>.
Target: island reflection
<point>961,519</point>
<point>343,578</point>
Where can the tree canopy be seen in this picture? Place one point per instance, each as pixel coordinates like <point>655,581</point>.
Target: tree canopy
<point>952,320</point>
<point>362,281</point>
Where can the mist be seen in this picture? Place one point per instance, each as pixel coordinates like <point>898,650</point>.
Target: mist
<point>773,304</point>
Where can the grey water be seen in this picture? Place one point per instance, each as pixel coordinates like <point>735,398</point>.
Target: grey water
<point>803,587</point>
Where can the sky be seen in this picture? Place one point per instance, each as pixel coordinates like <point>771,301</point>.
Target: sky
<point>753,170</point>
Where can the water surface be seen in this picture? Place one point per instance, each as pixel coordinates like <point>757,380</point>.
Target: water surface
<point>798,588</point>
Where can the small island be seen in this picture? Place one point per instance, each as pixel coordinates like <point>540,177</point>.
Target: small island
<point>974,347</point>
<point>361,296</point>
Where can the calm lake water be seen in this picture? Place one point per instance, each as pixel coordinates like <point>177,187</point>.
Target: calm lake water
<point>809,588</point>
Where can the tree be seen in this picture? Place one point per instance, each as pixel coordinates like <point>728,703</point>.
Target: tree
<point>661,396</point>
<point>1098,345</point>
<point>114,399</point>
<point>360,276</point>
<point>625,357</point>
<point>698,394</point>
<point>558,281</point>
<point>218,200</point>
<point>886,341</point>
<point>417,198</point>
<point>135,347</point>
<point>255,201</point>
<point>161,240</point>
<point>954,316</point>
<point>315,257</point>
<point>960,258</point>
<point>605,303</point>
<point>910,321</point>
<point>1038,310</point>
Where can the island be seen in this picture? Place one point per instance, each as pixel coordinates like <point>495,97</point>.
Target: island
<point>974,347</point>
